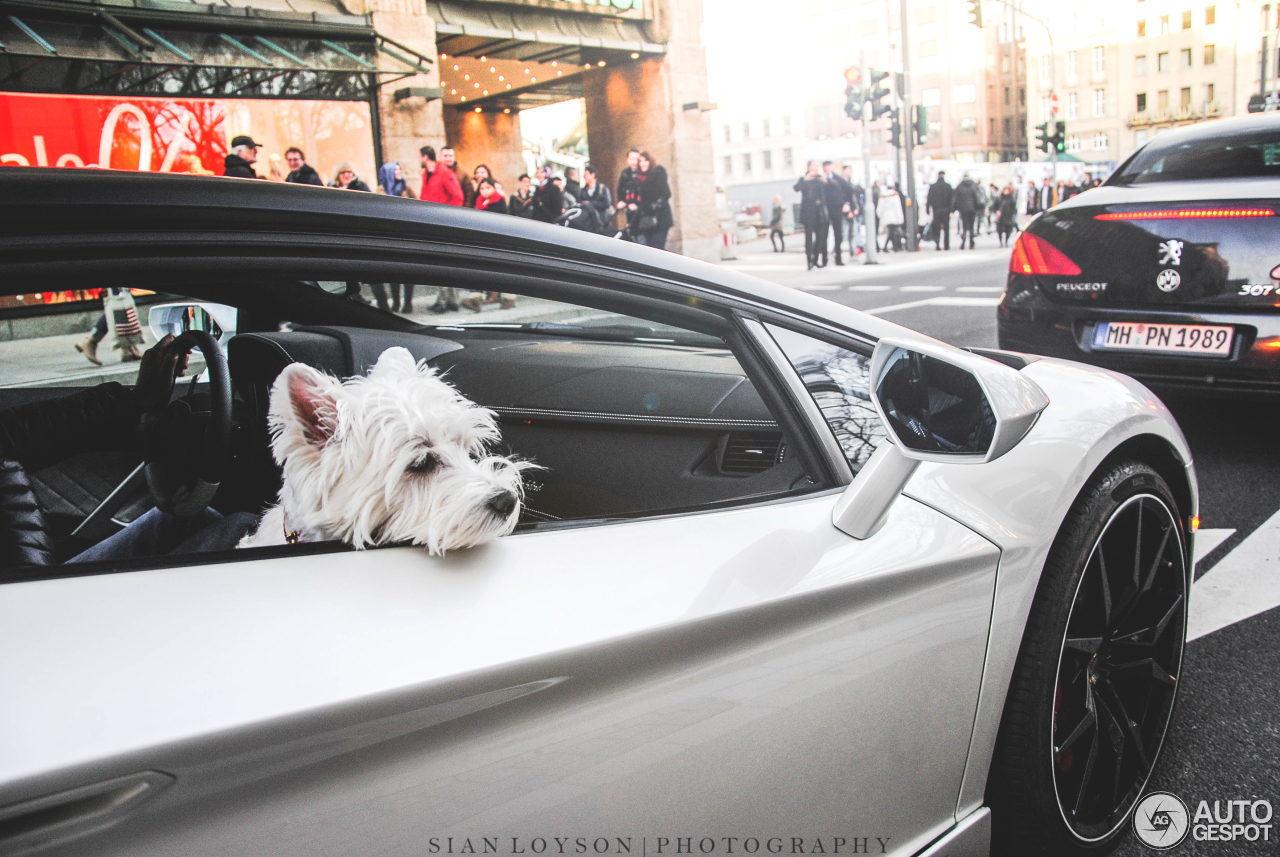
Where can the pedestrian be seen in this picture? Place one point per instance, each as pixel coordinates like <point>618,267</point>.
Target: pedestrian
<point>776,238</point>
<point>489,198</point>
<point>483,172</point>
<point>276,170</point>
<point>628,190</point>
<point>521,202</point>
<point>239,162</point>
<point>939,204</point>
<point>118,303</point>
<point>968,202</point>
<point>440,184</point>
<point>596,198</point>
<point>993,201</point>
<point>838,195</point>
<point>890,214</point>
<point>300,172</point>
<point>571,183</point>
<point>450,159</point>
<point>1006,214</point>
<point>345,178</point>
<point>655,204</point>
<point>566,200</point>
<point>859,195</point>
<point>813,215</point>
<point>548,199</point>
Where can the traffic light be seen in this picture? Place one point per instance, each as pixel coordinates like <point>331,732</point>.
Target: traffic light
<point>975,12</point>
<point>1043,141</point>
<point>921,126</point>
<point>1060,137</point>
<point>875,92</point>
<point>853,92</point>
<point>895,129</point>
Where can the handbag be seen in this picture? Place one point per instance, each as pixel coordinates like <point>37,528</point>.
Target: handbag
<point>648,223</point>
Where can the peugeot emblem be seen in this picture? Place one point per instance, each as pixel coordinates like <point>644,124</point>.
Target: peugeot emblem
<point>1168,280</point>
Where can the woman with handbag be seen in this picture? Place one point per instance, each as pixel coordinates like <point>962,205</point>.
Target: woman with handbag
<point>655,204</point>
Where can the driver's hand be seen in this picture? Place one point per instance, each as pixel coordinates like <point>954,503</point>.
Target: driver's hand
<point>160,366</point>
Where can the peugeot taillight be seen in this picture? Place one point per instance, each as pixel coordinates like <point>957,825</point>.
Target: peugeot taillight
<point>1187,214</point>
<point>1033,255</point>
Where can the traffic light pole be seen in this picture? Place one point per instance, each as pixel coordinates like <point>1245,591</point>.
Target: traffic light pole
<point>869,210</point>
<point>908,144</point>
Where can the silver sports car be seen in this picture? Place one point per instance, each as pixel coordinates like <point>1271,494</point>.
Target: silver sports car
<point>790,579</point>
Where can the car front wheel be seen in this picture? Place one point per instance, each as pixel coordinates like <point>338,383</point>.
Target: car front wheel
<point>1094,685</point>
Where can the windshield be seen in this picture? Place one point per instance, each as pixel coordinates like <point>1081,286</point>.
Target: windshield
<point>1252,154</point>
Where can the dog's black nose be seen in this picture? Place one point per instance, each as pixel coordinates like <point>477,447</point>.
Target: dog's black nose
<point>503,503</point>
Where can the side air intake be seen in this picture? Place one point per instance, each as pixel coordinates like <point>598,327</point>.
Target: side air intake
<point>747,453</point>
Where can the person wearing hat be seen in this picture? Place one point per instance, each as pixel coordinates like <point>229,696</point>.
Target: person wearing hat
<point>239,162</point>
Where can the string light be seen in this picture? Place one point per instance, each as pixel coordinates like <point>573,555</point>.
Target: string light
<point>586,65</point>
<point>559,72</point>
<point>453,92</point>
<point>464,98</point>
<point>477,109</point>
<point>635,55</point>
<point>508,86</point>
<point>553,63</point>
<point>486,92</point>
<point>444,56</point>
<point>484,59</point>
<point>501,78</point>
<point>526,71</point>
<point>601,63</point>
<point>492,69</point>
<point>535,80</point>
<point>506,110</point>
<point>477,85</point>
<point>455,66</point>
<point>466,77</point>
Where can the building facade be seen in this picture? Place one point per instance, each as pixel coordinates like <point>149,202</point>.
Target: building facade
<point>1125,72</point>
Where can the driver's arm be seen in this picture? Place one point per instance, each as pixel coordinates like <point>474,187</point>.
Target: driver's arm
<point>103,417</point>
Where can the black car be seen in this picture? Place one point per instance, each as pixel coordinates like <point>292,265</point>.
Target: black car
<point>1170,272</point>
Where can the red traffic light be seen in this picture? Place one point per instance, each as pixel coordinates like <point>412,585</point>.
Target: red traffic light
<point>853,74</point>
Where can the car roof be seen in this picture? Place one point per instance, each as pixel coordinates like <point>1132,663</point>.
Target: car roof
<point>43,201</point>
<point>1215,128</point>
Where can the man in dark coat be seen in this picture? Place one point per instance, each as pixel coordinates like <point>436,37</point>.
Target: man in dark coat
<point>968,202</point>
<point>300,172</point>
<point>813,215</point>
<point>939,204</point>
<point>548,200</point>
<point>571,184</point>
<point>838,195</point>
<point>239,164</point>
<point>628,188</point>
<point>595,196</point>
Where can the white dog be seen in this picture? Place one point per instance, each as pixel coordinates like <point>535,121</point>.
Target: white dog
<point>395,456</point>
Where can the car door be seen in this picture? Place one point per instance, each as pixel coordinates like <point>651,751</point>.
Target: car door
<point>746,679</point>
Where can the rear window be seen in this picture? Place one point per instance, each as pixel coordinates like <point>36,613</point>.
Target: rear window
<point>1250,154</point>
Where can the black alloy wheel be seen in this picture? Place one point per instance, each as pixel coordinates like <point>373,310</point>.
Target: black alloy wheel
<point>1119,665</point>
<point>1094,687</point>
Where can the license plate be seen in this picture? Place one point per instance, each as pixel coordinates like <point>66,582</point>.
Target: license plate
<point>1202,339</point>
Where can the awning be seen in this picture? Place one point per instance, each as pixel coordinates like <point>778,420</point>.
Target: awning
<point>295,49</point>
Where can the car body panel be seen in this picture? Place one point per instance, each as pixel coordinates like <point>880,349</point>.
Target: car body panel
<point>662,660</point>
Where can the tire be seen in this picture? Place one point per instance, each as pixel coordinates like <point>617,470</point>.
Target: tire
<point>1095,682</point>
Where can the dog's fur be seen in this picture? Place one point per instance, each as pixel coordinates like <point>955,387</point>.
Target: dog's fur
<point>395,456</point>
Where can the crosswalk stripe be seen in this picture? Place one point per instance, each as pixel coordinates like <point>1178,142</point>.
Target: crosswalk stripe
<point>1244,583</point>
<point>939,301</point>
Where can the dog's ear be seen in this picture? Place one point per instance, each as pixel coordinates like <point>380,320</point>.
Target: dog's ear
<point>395,361</point>
<point>312,401</point>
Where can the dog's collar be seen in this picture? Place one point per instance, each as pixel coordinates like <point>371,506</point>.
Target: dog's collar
<point>293,537</point>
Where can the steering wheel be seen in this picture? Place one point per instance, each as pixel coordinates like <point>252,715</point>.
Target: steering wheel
<point>188,443</point>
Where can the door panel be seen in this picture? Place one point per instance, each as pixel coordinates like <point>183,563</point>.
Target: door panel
<point>744,673</point>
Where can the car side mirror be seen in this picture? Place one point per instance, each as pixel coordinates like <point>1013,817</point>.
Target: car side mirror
<point>218,320</point>
<point>939,404</point>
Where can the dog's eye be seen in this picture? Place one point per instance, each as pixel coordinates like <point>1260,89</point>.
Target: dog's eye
<point>425,463</point>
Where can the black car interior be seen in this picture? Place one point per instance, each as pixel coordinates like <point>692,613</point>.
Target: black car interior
<point>622,424</point>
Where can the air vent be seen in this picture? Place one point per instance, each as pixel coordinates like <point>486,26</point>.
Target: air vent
<point>751,453</point>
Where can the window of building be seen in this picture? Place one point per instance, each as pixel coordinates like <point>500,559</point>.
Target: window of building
<point>1184,101</point>
<point>1006,95</point>
<point>935,133</point>
<point>1140,66</point>
<point>1184,59</point>
<point>1099,102</point>
<point>1140,138</point>
<point>1073,142</point>
<point>786,127</point>
<point>1208,93</point>
<point>820,114</point>
<point>1022,96</point>
<point>993,128</point>
<point>1162,101</point>
<point>787,161</point>
<point>728,134</point>
<point>1046,108</point>
<point>928,48</point>
<point>931,97</point>
<point>728,165</point>
<point>1099,61</point>
<point>1162,61</point>
<point>1046,70</point>
<point>964,93</point>
<point>1164,25</point>
<point>1071,65</point>
<point>967,126</point>
<point>926,14</point>
<point>764,128</point>
<point>1210,15</point>
<point>1142,29</point>
<point>766,159</point>
<point>746,163</point>
<point>876,138</point>
<point>1005,65</point>
<point>1073,105</point>
<point>1186,20</point>
<point>746,130</point>
<point>1142,102</point>
<point>1209,55</point>
<point>1101,140</point>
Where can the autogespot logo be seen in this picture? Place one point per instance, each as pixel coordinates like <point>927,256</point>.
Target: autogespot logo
<point>1161,821</point>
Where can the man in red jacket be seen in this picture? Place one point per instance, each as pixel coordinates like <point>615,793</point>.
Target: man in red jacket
<point>439,184</point>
